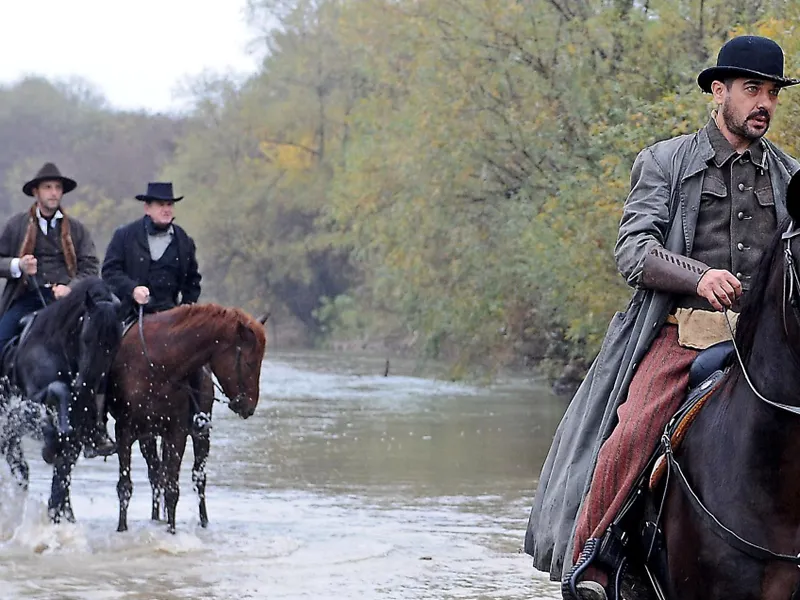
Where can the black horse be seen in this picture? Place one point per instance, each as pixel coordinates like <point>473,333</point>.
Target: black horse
<point>58,368</point>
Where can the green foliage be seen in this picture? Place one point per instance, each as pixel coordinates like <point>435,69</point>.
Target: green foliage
<point>444,175</point>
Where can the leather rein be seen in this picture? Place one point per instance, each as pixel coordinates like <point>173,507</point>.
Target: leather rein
<point>791,285</point>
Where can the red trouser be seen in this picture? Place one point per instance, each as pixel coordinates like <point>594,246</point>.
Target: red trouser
<point>656,392</point>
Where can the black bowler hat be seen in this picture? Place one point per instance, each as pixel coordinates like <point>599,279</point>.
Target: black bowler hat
<point>747,56</point>
<point>49,172</point>
<point>161,191</point>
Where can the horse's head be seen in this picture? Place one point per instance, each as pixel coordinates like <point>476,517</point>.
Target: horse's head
<point>237,365</point>
<point>101,328</point>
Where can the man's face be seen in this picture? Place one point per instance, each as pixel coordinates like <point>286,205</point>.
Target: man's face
<point>160,211</point>
<point>48,196</point>
<point>747,106</point>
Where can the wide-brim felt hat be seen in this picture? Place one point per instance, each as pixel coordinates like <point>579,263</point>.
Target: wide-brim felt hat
<point>49,172</point>
<point>747,56</point>
<point>160,191</point>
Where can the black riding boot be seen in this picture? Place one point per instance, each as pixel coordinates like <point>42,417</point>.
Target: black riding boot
<point>98,442</point>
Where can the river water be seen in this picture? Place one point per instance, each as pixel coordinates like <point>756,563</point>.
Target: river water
<point>343,484</point>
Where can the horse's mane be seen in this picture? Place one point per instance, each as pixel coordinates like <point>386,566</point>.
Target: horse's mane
<point>59,320</point>
<point>194,316</point>
<point>753,304</point>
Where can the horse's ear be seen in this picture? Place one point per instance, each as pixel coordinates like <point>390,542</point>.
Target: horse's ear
<point>263,318</point>
<point>793,198</point>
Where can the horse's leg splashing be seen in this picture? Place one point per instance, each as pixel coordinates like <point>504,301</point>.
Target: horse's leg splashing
<point>149,448</point>
<point>124,485</point>
<point>12,448</point>
<point>23,418</point>
<point>201,444</point>
<point>173,445</point>
<point>60,506</point>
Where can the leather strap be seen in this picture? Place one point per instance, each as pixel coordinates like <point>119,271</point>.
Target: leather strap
<point>665,271</point>
<point>732,538</point>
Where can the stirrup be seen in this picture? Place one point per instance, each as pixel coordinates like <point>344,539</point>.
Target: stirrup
<point>99,445</point>
<point>569,589</point>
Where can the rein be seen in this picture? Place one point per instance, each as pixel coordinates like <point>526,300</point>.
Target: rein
<point>206,370</point>
<point>791,283</point>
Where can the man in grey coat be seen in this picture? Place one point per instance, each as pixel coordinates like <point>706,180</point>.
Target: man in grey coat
<point>701,210</point>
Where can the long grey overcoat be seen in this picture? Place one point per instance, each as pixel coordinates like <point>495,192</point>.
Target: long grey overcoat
<point>661,209</point>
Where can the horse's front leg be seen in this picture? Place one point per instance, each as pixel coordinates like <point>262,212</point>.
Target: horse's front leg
<point>174,445</point>
<point>149,448</point>
<point>124,485</point>
<point>201,444</point>
<point>12,448</point>
<point>60,506</point>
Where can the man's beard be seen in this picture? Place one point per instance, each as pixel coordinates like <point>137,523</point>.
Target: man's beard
<point>741,127</point>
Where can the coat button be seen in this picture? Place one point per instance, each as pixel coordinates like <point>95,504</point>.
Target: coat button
<point>740,246</point>
<point>740,215</point>
<point>738,275</point>
<point>741,187</point>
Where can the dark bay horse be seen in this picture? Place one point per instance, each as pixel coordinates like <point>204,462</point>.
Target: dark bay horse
<point>729,502</point>
<point>149,395</point>
<point>60,365</point>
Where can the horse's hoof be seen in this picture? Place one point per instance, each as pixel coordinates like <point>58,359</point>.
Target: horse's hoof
<point>204,523</point>
<point>49,453</point>
<point>171,529</point>
<point>122,528</point>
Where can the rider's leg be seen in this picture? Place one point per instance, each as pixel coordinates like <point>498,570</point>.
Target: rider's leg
<point>9,322</point>
<point>98,442</point>
<point>656,392</point>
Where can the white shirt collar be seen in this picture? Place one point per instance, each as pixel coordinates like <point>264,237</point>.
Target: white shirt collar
<point>53,219</point>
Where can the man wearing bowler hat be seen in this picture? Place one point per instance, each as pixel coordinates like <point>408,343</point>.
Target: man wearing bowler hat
<point>701,210</point>
<point>152,263</point>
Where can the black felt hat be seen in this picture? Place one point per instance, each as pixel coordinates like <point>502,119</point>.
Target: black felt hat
<point>49,172</point>
<point>161,191</point>
<point>747,56</point>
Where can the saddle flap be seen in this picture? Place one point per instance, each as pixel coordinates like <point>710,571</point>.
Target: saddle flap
<point>683,419</point>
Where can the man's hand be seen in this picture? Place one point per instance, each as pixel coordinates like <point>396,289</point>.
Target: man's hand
<point>59,291</point>
<point>719,287</point>
<point>28,264</point>
<point>141,294</point>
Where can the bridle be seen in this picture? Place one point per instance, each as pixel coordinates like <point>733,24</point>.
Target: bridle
<point>239,377</point>
<point>791,285</point>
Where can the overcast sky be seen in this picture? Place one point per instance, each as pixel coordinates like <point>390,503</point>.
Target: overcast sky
<point>134,51</point>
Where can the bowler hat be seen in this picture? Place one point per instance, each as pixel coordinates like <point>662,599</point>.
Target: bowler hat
<point>49,172</point>
<point>747,56</point>
<point>161,191</point>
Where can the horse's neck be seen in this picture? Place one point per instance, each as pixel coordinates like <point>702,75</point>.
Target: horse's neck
<point>191,350</point>
<point>772,362</point>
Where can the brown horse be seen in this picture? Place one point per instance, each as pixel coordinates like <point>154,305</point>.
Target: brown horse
<point>149,395</point>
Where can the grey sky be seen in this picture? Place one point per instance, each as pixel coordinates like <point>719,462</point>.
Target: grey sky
<point>135,53</point>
